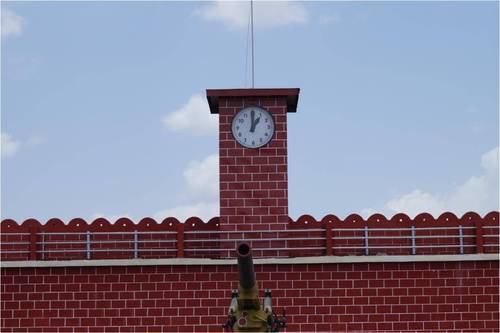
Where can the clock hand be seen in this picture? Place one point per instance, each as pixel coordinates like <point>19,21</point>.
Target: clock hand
<point>254,121</point>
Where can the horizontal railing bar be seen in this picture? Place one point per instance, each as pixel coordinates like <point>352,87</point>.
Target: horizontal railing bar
<point>257,257</point>
<point>491,227</point>
<point>107,250</point>
<point>248,231</point>
<point>154,250</point>
<point>213,232</point>
<point>61,242</point>
<point>6,233</point>
<point>273,257</point>
<point>207,240</point>
<point>150,233</point>
<point>209,250</point>
<point>443,228</point>
<point>259,249</point>
<point>350,237</point>
<point>399,247</point>
<point>491,244</point>
<point>445,236</point>
<point>8,251</point>
<point>155,241</point>
<point>62,250</point>
<point>94,242</point>
<point>397,229</point>
<point>251,240</point>
<point>15,243</point>
<point>84,242</point>
<point>98,233</point>
<point>131,250</point>
<point>406,237</point>
<point>451,245</point>
<point>298,230</point>
<point>294,248</point>
<point>44,233</point>
<point>401,237</point>
<point>360,229</point>
<point>490,235</point>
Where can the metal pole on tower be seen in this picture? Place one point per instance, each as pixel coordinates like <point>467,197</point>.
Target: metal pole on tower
<point>251,24</point>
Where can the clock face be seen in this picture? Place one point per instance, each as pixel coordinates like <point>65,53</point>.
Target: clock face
<point>253,127</point>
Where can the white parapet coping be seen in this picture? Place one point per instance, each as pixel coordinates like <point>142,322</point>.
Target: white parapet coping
<point>268,261</point>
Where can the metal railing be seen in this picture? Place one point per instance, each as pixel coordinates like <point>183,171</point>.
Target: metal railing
<point>286,243</point>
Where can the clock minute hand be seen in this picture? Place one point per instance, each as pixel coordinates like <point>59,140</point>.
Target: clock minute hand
<point>254,121</point>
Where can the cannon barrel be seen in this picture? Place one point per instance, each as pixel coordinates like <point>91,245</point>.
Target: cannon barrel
<point>246,313</point>
<point>245,266</point>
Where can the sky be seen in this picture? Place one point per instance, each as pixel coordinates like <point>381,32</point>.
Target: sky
<point>103,107</point>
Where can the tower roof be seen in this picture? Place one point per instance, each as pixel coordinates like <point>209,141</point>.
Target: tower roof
<point>292,96</point>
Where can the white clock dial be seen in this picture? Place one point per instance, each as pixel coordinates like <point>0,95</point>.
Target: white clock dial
<point>253,127</point>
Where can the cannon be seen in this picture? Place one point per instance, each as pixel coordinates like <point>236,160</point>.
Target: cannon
<point>246,313</point>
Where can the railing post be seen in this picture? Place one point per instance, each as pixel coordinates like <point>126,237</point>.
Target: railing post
<point>33,236</point>
<point>413,241</point>
<point>88,246</point>
<point>329,239</point>
<point>461,238</point>
<point>366,241</point>
<point>136,245</point>
<point>43,246</point>
<point>180,240</point>
<point>479,236</point>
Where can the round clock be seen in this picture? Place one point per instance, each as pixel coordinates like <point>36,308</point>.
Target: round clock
<point>253,127</point>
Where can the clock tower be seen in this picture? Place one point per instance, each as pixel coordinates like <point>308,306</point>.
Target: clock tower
<point>253,171</point>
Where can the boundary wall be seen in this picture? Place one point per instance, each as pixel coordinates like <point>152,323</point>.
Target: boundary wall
<point>446,295</point>
<point>337,275</point>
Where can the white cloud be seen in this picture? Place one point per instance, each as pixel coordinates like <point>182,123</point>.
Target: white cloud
<point>367,212</point>
<point>12,24</point>
<point>267,14</point>
<point>489,161</point>
<point>478,193</point>
<point>9,145</point>
<point>193,117</point>
<point>110,218</point>
<point>203,210</point>
<point>201,186</point>
<point>202,177</point>
<point>416,202</point>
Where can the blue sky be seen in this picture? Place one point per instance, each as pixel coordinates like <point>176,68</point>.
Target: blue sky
<point>104,113</point>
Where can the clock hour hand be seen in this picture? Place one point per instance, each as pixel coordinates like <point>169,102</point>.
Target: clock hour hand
<point>254,121</point>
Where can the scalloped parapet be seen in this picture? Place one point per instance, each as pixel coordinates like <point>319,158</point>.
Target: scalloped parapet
<point>400,219</point>
<point>194,238</point>
<point>306,221</point>
<point>102,224</point>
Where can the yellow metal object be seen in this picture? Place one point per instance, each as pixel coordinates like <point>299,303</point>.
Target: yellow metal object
<point>250,317</point>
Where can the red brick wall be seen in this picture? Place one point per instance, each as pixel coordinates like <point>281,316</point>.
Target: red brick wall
<point>253,182</point>
<point>326,297</point>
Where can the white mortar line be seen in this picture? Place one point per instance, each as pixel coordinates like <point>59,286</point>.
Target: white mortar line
<point>269,261</point>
